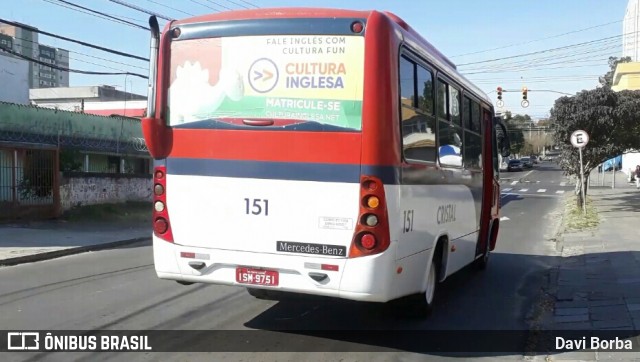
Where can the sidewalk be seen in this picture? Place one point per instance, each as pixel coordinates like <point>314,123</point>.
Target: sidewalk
<point>596,283</point>
<point>34,241</point>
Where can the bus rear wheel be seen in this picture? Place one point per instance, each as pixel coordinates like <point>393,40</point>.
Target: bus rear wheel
<point>422,304</point>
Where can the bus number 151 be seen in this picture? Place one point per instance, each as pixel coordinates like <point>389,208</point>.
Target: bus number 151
<point>257,206</point>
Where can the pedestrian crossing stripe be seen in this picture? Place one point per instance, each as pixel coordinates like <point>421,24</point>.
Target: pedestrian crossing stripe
<point>560,192</point>
<point>524,190</point>
<point>542,190</point>
<point>507,189</point>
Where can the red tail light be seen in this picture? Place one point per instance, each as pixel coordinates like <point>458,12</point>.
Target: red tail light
<point>161,224</point>
<point>372,231</point>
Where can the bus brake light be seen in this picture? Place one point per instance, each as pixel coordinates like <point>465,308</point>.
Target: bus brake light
<point>368,241</point>
<point>161,224</point>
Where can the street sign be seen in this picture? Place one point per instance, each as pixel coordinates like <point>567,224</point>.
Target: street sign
<point>579,138</point>
<point>524,103</point>
<point>500,103</point>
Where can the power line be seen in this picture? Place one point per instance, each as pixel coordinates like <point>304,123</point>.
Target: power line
<point>111,18</point>
<point>90,56</point>
<point>73,40</point>
<point>594,49</point>
<point>103,14</point>
<point>36,61</point>
<point>217,4</point>
<point>108,60</point>
<point>250,4</point>
<point>520,70</point>
<point>537,40</point>
<point>240,5</point>
<point>540,51</point>
<point>201,4</point>
<point>130,6</point>
<point>169,7</point>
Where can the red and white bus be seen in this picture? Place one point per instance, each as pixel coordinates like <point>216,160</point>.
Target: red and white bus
<point>317,151</point>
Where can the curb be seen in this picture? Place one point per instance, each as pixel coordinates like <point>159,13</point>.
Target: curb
<point>558,233</point>
<point>69,251</point>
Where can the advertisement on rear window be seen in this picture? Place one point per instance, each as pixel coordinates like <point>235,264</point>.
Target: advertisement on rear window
<point>312,78</point>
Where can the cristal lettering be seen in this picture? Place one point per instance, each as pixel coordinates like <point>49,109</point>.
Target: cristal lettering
<point>446,214</point>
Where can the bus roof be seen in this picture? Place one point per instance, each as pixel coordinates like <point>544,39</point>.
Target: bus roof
<point>444,63</point>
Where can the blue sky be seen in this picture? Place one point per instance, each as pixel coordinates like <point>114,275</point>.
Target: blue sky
<point>456,27</point>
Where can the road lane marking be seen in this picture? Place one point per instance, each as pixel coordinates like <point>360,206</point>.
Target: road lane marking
<point>504,218</point>
<point>524,190</point>
<point>560,192</point>
<point>542,190</point>
<point>514,182</point>
<point>507,189</point>
<point>563,184</point>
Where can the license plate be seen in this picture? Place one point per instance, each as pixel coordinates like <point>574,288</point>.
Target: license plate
<point>257,276</point>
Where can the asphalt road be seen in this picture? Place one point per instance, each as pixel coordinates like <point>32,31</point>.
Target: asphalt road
<point>118,290</point>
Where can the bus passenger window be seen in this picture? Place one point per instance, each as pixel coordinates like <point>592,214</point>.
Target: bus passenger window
<point>450,140</point>
<point>425,91</point>
<point>407,79</point>
<point>417,122</point>
<point>472,150</point>
<point>454,105</point>
<point>442,99</point>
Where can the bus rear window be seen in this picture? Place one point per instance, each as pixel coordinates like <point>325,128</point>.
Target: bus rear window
<point>315,79</point>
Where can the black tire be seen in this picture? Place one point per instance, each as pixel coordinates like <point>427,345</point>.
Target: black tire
<point>483,262</point>
<point>422,305</point>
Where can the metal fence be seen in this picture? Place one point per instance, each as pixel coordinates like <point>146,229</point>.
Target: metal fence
<point>28,181</point>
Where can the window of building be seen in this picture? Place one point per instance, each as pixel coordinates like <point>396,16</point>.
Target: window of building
<point>416,103</point>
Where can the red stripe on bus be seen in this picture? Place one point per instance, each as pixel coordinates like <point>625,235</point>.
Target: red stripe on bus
<point>330,147</point>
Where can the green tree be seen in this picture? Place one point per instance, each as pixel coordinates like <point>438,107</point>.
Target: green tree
<point>607,79</point>
<point>607,116</point>
<point>514,127</point>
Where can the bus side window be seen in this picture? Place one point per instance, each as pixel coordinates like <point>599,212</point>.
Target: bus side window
<point>472,138</point>
<point>418,124</point>
<point>449,131</point>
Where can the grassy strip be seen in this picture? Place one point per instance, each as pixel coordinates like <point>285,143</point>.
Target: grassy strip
<point>127,211</point>
<point>575,219</point>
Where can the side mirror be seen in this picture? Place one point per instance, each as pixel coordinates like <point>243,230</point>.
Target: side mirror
<point>502,138</point>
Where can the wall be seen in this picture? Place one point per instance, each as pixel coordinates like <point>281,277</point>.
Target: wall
<point>78,189</point>
<point>14,77</point>
<point>630,161</point>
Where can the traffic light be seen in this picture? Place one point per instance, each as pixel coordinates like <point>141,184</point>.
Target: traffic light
<point>525,102</point>
<point>500,93</point>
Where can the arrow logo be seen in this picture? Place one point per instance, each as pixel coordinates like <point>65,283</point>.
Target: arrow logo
<point>265,73</point>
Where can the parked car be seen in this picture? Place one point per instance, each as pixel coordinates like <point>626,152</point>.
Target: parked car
<point>514,165</point>
<point>535,159</point>
<point>526,162</point>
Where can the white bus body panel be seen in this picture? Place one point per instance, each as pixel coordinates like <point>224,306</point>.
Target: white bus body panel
<point>208,217</point>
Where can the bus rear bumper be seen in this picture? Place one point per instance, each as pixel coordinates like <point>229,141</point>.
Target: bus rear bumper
<point>367,279</point>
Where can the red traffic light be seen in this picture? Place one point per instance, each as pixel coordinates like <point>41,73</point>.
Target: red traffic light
<point>499,89</point>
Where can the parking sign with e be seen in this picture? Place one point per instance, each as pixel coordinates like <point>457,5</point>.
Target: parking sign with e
<point>579,138</point>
